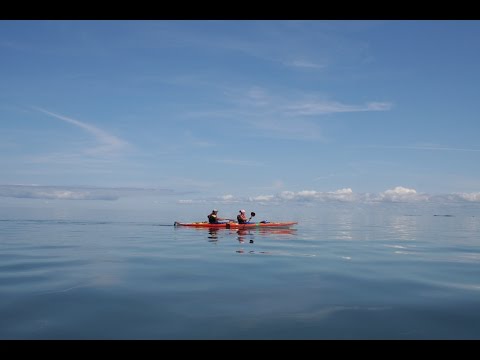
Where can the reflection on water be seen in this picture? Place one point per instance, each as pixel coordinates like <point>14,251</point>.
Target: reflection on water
<point>404,227</point>
<point>213,234</point>
<point>242,234</point>
<point>245,235</point>
<point>279,231</point>
<point>471,224</point>
<point>346,274</point>
<point>346,225</point>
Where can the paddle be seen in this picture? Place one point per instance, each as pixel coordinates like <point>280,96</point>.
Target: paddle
<point>252,214</point>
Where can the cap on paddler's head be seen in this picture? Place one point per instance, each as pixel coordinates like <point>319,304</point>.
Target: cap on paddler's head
<point>214,210</point>
<point>242,211</point>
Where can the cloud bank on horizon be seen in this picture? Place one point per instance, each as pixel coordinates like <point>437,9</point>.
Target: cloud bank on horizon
<point>76,192</point>
<point>397,194</point>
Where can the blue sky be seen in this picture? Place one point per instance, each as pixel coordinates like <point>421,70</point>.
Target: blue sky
<point>236,111</point>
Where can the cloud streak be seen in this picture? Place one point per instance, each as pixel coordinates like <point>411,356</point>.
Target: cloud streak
<point>305,64</point>
<point>75,193</point>
<point>287,116</point>
<point>109,144</point>
<point>307,105</point>
<point>433,148</point>
<point>236,162</point>
<point>329,107</point>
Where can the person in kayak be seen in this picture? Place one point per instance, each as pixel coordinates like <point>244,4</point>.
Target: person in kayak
<point>213,218</point>
<point>242,218</point>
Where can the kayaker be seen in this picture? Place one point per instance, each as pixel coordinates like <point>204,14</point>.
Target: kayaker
<point>242,218</point>
<point>213,218</point>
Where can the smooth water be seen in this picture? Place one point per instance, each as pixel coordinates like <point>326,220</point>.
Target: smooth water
<point>346,273</point>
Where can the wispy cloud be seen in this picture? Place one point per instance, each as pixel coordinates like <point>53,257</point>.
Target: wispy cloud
<point>305,104</point>
<point>286,116</point>
<point>329,107</point>
<point>426,147</point>
<point>281,42</point>
<point>300,63</point>
<point>258,96</point>
<point>237,162</point>
<point>196,142</point>
<point>109,144</point>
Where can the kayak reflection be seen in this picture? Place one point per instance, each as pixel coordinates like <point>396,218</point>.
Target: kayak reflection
<point>242,235</point>
<point>213,234</point>
<point>248,235</point>
<point>283,231</point>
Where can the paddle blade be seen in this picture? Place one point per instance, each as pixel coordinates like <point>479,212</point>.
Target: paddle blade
<point>252,214</point>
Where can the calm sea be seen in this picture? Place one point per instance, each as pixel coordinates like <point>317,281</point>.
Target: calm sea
<point>393,271</point>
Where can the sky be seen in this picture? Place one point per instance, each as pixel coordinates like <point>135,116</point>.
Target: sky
<point>240,111</point>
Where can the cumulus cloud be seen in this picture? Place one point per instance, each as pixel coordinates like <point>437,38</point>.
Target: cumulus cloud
<point>400,194</point>
<point>313,195</point>
<point>186,201</point>
<point>227,197</point>
<point>262,198</point>
<point>347,195</point>
<point>471,197</point>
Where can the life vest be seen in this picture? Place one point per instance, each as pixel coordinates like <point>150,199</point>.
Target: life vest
<point>240,220</point>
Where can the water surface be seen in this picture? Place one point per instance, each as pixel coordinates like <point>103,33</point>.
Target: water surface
<point>390,273</point>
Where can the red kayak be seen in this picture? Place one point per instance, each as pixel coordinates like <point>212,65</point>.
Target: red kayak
<point>234,225</point>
